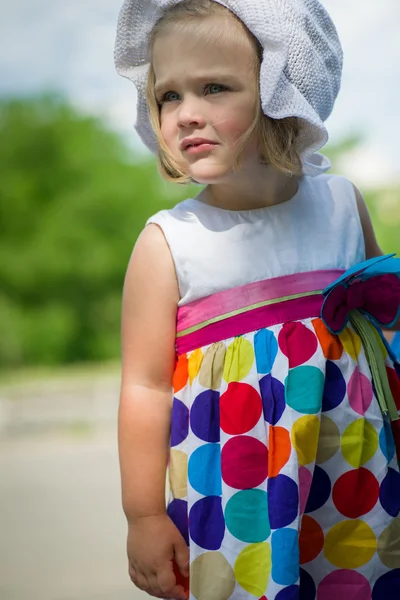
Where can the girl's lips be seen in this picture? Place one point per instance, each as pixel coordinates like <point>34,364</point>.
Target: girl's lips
<point>199,148</point>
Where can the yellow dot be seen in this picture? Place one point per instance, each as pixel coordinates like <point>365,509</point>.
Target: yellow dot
<point>178,469</point>
<point>359,443</point>
<point>305,434</point>
<point>253,568</point>
<point>239,360</point>
<point>212,367</point>
<point>350,544</point>
<point>211,577</point>
<point>195,360</point>
<point>389,545</point>
<point>351,342</point>
<point>329,440</point>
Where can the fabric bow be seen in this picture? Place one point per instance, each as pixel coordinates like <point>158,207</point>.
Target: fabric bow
<point>373,288</point>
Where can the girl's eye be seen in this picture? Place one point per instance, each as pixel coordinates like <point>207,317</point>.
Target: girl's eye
<point>170,97</point>
<point>215,88</point>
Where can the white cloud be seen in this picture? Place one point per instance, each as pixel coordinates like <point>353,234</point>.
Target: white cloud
<point>69,46</point>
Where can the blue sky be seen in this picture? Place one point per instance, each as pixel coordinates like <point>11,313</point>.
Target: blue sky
<point>69,47</point>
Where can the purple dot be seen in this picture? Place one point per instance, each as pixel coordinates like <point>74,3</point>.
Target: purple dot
<point>387,587</point>
<point>204,416</point>
<point>335,387</point>
<point>389,494</point>
<point>320,490</point>
<point>307,586</point>
<point>179,422</point>
<point>178,513</point>
<point>288,593</point>
<point>283,501</point>
<point>207,525</point>
<point>273,398</point>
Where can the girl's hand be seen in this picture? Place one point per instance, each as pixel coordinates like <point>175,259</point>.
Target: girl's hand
<point>154,543</point>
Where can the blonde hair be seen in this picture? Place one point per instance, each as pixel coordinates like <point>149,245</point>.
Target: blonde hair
<point>276,137</point>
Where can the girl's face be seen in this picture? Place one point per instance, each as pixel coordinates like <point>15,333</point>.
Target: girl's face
<point>207,94</point>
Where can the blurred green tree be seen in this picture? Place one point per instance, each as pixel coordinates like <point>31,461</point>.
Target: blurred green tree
<point>72,203</point>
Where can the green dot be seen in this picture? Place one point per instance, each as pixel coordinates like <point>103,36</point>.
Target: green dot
<point>246,516</point>
<point>304,388</point>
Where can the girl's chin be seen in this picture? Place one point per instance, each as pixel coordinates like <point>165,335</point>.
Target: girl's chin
<point>206,174</point>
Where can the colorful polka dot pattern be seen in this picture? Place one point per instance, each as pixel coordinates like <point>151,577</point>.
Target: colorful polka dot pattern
<point>283,473</point>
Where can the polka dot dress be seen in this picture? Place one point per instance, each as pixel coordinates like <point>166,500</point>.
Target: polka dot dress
<point>283,472</point>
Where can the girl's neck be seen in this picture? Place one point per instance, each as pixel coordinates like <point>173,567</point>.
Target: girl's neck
<point>248,192</point>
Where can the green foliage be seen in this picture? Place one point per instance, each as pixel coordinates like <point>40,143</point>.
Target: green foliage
<point>72,204</point>
<point>383,204</point>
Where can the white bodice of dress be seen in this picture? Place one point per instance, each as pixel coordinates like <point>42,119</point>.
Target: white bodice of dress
<point>215,249</point>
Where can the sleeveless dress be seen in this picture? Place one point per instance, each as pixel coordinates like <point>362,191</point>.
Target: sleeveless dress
<point>283,470</point>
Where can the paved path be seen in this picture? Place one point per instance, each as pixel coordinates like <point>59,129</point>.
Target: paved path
<point>62,529</point>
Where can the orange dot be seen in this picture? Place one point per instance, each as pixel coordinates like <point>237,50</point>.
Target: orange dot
<point>311,539</point>
<point>331,345</point>
<point>279,450</point>
<point>181,374</point>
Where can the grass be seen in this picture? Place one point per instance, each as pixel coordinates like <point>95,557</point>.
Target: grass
<point>42,374</point>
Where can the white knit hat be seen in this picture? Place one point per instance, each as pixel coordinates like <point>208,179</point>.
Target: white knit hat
<point>300,71</point>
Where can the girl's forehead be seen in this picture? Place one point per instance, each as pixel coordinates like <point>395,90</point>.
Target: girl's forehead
<point>189,51</point>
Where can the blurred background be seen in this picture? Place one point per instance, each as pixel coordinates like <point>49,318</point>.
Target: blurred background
<point>76,187</point>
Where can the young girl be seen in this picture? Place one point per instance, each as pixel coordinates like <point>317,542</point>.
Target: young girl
<point>282,464</point>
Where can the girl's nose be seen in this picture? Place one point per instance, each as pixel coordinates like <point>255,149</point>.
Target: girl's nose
<point>190,114</point>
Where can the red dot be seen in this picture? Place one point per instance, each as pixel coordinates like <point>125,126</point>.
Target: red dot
<point>244,462</point>
<point>394,383</point>
<point>311,539</point>
<point>355,493</point>
<point>240,408</point>
<point>298,343</point>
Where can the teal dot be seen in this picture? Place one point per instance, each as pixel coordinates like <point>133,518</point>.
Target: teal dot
<point>266,350</point>
<point>386,442</point>
<point>204,470</point>
<point>246,516</point>
<point>285,556</point>
<point>304,388</point>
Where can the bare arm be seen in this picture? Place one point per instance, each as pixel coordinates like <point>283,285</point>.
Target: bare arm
<point>372,247</point>
<point>148,356</point>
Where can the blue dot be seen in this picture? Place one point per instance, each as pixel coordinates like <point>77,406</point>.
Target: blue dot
<point>308,589</point>
<point>178,513</point>
<point>387,587</point>
<point>206,523</point>
<point>285,556</point>
<point>289,593</point>
<point>389,493</point>
<point>179,422</point>
<point>283,501</point>
<point>273,398</point>
<point>334,388</point>
<point>204,416</point>
<point>266,350</point>
<point>386,442</point>
<point>320,490</point>
<point>205,470</point>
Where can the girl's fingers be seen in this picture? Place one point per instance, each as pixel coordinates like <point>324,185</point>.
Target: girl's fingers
<point>182,559</point>
<point>155,587</point>
<point>168,585</point>
<point>133,574</point>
